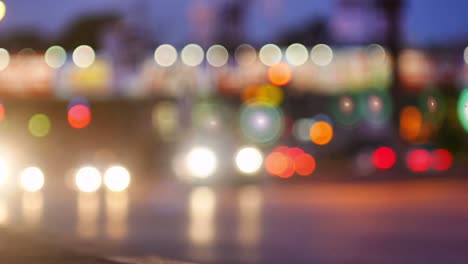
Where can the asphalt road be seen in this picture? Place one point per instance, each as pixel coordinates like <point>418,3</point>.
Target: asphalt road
<point>413,221</point>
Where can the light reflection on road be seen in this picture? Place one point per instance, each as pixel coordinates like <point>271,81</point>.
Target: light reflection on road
<point>117,215</point>
<point>249,205</point>
<point>88,213</point>
<point>32,205</point>
<point>304,222</point>
<point>202,213</point>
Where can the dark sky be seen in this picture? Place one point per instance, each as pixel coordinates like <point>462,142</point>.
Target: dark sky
<point>425,21</point>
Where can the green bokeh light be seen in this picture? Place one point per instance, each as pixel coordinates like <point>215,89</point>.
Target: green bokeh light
<point>39,125</point>
<point>261,124</point>
<point>462,110</point>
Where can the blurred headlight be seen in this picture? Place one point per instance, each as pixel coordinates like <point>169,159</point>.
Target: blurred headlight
<point>32,179</point>
<point>88,179</point>
<point>249,160</point>
<point>201,162</point>
<point>117,178</point>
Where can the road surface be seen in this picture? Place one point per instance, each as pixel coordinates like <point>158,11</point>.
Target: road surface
<point>410,221</point>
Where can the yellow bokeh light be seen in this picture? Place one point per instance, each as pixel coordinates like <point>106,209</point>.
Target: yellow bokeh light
<point>93,79</point>
<point>270,95</point>
<point>321,133</point>
<point>32,179</point>
<point>117,178</point>
<point>39,125</point>
<point>88,179</point>
<point>266,94</point>
<point>2,10</point>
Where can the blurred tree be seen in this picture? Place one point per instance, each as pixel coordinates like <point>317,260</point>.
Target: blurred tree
<point>310,33</point>
<point>87,30</point>
<point>23,39</point>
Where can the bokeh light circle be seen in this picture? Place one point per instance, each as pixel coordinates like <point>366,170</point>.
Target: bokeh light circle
<point>88,179</point>
<point>301,129</point>
<point>294,152</point>
<point>2,10</point>
<point>39,125</point>
<point>419,160</point>
<point>4,59</point>
<point>279,74</point>
<point>245,55</point>
<point>384,158</point>
<point>346,104</point>
<point>201,162</point>
<point>410,123</point>
<point>442,160</point>
<point>289,172</point>
<point>217,56</point>
<point>79,116</point>
<point>55,57</point>
<point>277,164</point>
<point>375,103</point>
<point>83,56</point>
<point>297,54</point>
<point>304,164</point>
<point>192,55</point>
<point>32,179</point>
<point>249,160</point>
<point>261,123</point>
<point>117,178</point>
<point>165,55</point>
<point>346,110</point>
<point>377,54</point>
<point>432,103</point>
<point>321,133</point>
<point>270,54</point>
<point>462,108</point>
<point>321,55</point>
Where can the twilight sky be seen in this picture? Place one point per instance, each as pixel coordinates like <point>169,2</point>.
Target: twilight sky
<point>425,21</point>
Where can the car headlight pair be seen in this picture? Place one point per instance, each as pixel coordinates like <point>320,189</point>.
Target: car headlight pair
<point>89,179</point>
<point>201,162</point>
